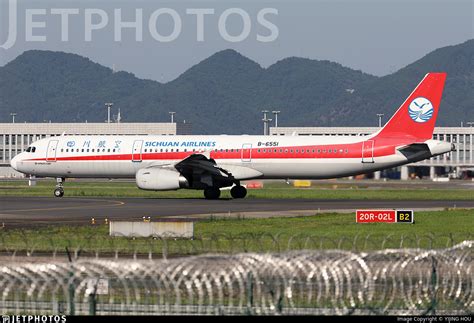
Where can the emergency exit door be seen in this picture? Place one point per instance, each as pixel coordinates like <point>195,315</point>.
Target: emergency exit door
<point>368,151</point>
<point>52,149</point>
<point>247,153</point>
<point>137,151</point>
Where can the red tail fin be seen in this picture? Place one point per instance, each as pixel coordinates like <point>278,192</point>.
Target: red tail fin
<point>416,117</point>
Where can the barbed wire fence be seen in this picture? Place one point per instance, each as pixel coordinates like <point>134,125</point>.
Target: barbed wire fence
<point>18,244</point>
<point>391,281</point>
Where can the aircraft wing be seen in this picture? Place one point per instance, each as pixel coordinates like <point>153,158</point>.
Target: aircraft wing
<point>200,164</point>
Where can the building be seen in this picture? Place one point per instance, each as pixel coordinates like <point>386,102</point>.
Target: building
<point>459,160</point>
<point>16,137</point>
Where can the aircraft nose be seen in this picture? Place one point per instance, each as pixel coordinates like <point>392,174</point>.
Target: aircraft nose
<point>13,162</point>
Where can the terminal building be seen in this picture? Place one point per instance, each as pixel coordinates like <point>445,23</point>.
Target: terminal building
<point>16,137</point>
<point>458,163</point>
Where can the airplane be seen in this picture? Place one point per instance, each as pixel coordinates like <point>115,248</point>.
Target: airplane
<point>209,163</point>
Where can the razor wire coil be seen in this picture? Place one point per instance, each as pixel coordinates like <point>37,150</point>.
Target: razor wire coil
<point>342,282</point>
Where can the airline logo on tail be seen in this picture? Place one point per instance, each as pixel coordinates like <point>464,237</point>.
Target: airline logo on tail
<point>420,110</point>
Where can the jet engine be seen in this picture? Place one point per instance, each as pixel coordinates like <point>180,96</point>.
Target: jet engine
<point>159,179</point>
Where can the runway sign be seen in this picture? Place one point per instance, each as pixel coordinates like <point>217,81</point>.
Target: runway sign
<point>384,216</point>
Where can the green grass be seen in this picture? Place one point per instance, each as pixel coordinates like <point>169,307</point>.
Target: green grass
<point>325,231</point>
<point>271,191</point>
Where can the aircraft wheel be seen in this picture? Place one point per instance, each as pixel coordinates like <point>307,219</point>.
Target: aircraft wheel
<point>238,192</point>
<point>59,192</point>
<point>212,193</point>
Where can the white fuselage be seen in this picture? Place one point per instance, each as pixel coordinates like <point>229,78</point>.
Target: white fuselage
<point>271,157</point>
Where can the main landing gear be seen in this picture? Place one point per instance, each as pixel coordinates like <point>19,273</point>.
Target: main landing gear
<point>59,190</point>
<point>213,193</point>
<point>238,192</point>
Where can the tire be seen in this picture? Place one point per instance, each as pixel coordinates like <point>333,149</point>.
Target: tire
<point>59,192</point>
<point>238,192</point>
<point>212,193</point>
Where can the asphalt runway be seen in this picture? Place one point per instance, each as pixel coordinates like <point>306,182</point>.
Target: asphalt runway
<point>33,211</point>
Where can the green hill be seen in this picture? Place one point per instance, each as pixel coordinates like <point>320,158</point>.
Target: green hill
<point>226,92</point>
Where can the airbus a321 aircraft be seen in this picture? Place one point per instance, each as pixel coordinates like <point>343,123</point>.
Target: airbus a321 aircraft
<point>208,163</point>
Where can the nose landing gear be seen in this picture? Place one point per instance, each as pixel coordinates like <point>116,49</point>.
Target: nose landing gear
<point>59,190</point>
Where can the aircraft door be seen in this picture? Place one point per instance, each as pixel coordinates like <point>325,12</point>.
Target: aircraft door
<point>51,151</point>
<point>137,151</point>
<point>368,151</point>
<point>246,153</point>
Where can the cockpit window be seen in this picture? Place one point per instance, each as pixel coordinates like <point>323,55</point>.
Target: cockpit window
<point>28,149</point>
<point>33,149</point>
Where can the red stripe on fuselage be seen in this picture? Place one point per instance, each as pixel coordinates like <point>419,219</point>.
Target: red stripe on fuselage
<point>381,148</point>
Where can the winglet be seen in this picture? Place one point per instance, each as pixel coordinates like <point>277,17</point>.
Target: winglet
<point>416,117</point>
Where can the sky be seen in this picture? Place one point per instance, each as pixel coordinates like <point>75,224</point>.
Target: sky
<point>375,36</point>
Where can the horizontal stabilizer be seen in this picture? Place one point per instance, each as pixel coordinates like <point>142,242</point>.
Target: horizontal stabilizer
<point>416,152</point>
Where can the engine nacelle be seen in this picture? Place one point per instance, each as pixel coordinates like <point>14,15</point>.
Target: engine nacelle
<point>157,179</point>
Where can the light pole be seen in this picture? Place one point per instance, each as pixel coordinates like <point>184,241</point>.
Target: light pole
<point>265,120</point>
<point>380,115</point>
<point>275,113</point>
<point>172,113</point>
<point>108,105</point>
<point>13,116</point>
